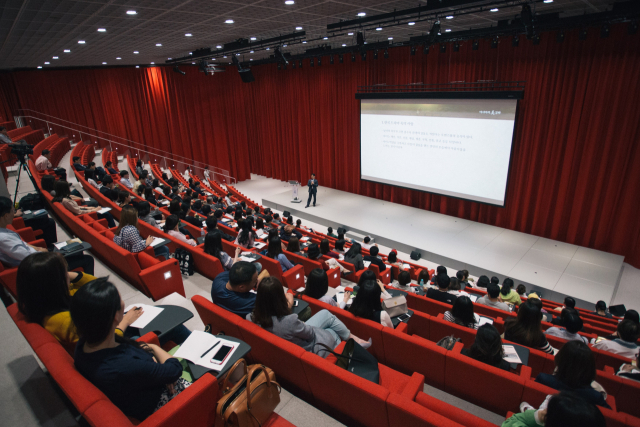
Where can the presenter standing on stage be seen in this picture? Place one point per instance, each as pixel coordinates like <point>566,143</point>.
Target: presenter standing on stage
<point>313,189</point>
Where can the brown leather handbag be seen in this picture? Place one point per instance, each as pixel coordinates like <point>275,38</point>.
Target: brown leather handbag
<point>251,401</point>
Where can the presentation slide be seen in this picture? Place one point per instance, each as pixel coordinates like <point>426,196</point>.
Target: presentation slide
<point>455,147</point>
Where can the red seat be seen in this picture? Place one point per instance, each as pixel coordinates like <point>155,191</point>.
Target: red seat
<point>404,412</point>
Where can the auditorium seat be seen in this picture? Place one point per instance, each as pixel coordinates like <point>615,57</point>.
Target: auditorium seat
<point>626,391</point>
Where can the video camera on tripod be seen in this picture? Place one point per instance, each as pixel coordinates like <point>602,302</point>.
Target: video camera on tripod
<point>21,149</point>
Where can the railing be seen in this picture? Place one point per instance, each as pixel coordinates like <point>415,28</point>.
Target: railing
<point>480,85</point>
<point>76,132</point>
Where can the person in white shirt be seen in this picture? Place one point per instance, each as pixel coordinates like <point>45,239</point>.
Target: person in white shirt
<point>491,298</point>
<point>90,176</point>
<point>365,244</point>
<point>317,287</point>
<point>124,179</point>
<point>625,345</point>
<point>43,163</point>
<point>206,173</point>
<point>4,137</point>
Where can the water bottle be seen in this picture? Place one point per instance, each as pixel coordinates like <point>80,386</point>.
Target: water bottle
<point>422,283</point>
<point>201,231</point>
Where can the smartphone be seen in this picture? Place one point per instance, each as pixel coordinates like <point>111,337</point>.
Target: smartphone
<point>403,317</point>
<point>295,303</point>
<point>221,355</point>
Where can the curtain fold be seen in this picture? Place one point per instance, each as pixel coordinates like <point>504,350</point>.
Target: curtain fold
<point>575,167</point>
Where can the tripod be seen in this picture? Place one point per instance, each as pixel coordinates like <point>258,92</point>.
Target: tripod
<point>23,165</point>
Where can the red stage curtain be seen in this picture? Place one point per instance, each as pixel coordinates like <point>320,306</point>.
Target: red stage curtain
<point>575,172</point>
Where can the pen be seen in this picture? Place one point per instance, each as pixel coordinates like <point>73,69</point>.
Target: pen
<point>212,347</point>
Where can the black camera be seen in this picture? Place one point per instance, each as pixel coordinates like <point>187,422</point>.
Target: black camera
<point>21,149</point>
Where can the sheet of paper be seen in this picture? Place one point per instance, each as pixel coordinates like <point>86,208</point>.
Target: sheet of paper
<point>166,202</point>
<point>260,232</point>
<point>510,354</point>
<point>259,245</point>
<point>473,298</point>
<point>367,264</point>
<point>340,297</point>
<point>86,199</point>
<point>60,245</point>
<point>247,259</point>
<point>304,239</point>
<point>484,320</point>
<point>301,289</point>
<point>156,242</point>
<point>104,210</point>
<point>200,343</point>
<point>150,313</point>
<point>26,212</point>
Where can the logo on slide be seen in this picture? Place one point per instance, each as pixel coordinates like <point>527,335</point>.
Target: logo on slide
<point>492,112</point>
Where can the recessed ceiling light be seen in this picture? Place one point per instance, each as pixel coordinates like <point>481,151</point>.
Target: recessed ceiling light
<point>390,38</point>
<point>168,59</point>
<point>193,63</point>
<point>158,44</point>
<point>153,63</point>
<point>362,14</point>
<point>379,29</point>
<point>304,41</point>
<point>253,39</point>
<point>46,63</point>
<point>298,28</point>
<point>325,38</point>
<point>81,41</point>
<point>39,66</point>
<point>548,1</point>
<point>213,59</point>
<point>136,52</point>
<point>218,47</point>
<point>102,30</point>
<point>284,45</point>
<point>268,48</point>
<point>229,21</point>
<point>343,45</point>
<point>449,16</point>
<point>104,63</point>
<point>188,35</point>
<point>495,9</point>
<point>55,57</point>
<point>412,23</point>
<point>350,34</point>
<point>289,2</point>
<point>131,12</point>
<point>137,66</point>
<point>118,58</point>
<point>190,53</point>
<point>448,30</point>
<point>250,51</point>
<point>67,51</point>
<point>223,57</point>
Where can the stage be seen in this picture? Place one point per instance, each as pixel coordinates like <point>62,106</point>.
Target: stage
<point>554,268</point>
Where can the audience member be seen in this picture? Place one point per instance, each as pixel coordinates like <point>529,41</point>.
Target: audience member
<point>487,348</point>
<point>572,324</point>
<point>483,282</point>
<point>462,313</point>
<point>144,214</point>
<point>275,252</point>
<point>330,233</point>
<point>294,246</point>
<point>424,277</point>
<point>63,196</point>
<point>373,258</point>
<point>575,371</point>
<point>491,298</point>
<point>110,168</point>
<point>212,225</point>
<point>521,290</point>
<point>317,287</point>
<point>77,165</point>
<point>339,247</point>
<point>354,256</point>
<point>128,237</point>
<point>213,247</point>
<point>313,252</point>
<point>526,329</point>
<point>231,289</point>
<point>171,226</point>
<point>133,376</point>
<point>563,410</point>
<point>288,231</point>
<point>43,163</point>
<point>403,282</point>
<point>139,168</point>
<point>108,188</point>
<point>150,196</point>
<point>625,345</point>
<point>326,249</point>
<point>91,178</point>
<point>366,243</point>
<point>367,305</point>
<point>630,371</point>
<point>441,294</point>
<point>508,294</point>
<point>246,237</point>
<point>601,310</point>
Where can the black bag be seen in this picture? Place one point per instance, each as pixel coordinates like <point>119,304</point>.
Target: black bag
<point>185,260</point>
<point>415,255</point>
<point>448,342</point>
<point>357,360</point>
<point>31,202</point>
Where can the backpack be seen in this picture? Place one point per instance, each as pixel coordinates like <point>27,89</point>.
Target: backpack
<point>185,260</point>
<point>31,202</point>
<point>448,342</point>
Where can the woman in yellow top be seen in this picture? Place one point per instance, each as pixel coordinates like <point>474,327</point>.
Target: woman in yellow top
<point>508,294</point>
<point>44,293</point>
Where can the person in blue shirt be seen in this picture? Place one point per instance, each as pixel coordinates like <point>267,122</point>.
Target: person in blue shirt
<point>138,378</point>
<point>231,289</point>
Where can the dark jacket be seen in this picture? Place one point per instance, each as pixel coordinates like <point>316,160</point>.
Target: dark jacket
<point>109,193</point>
<point>589,394</point>
<point>79,167</point>
<point>438,295</point>
<point>377,261</point>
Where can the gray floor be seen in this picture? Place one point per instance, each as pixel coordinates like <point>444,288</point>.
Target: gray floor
<point>555,268</point>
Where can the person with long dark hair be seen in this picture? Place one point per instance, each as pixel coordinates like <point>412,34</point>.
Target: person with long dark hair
<point>325,249</point>
<point>144,214</point>
<point>128,237</point>
<point>313,252</point>
<point>367,305</point>
<point>213,247</point>
<point>63,196</point>
<point>137,378</point>
<point>339,247</point>
<point>354,256</point>
<point>294,246</point>
<point>563,410</point>
<point>526,329</point>
<point>45,288</point>
<point>273,313</point>
<point>246,236</point>
<point>317,287</point>
<point>575,371</point>
<point>487,348</point>
<point>462,313</point>
<point>508,294</point>
<point>150,196</point>
<point>171,227</point>
<point>275,251</point>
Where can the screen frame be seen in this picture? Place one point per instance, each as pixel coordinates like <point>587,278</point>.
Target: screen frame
<point>517,95</point>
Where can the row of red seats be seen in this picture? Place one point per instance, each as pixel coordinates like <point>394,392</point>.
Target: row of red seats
<point>9,125</point>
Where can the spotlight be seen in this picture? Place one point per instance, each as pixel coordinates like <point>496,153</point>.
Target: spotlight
<point>353,57</point>
<point>280,56</point>
<point>202,66</point>
<point>456,47</point>
<point>536,39</point>
<point>375,54</point>
<point>363,55</point>
<point>319,61</point>
<point>360,39</point>
<point>527,20</point>
<point>340,58</point>
<point>413,50</point>
<point>300,64</point>
<point>475,45</point>
<point>312,62</point>
<point>434,33</point>
<point>582,35</point>
<point>425,50</point>
<point>516,41</point>
<point>494,43</point>
<point>604,32</point>
<point>386,54</point>
<point>443,48</point>
<point>560,37</point>
<point>293,65</point>
<point>633,27</point>
<point>331,59</point>
<point>178,70</point>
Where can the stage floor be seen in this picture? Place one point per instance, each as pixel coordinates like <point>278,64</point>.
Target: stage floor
<point>554,268</point>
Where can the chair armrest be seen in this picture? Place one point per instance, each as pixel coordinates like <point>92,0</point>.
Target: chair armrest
<point>457,348</point>
<point>609,370</point>
<point>415,384</point>
<point>525,372</point>
<point>163,279</point>
<point>402,327</point>
<point>26,234</point>
<point>611,401</point>
<point>334,277</point>
<point>39,243</point>
<point>18,223</point>
<point>294,278</point>
<point>149,338</point>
